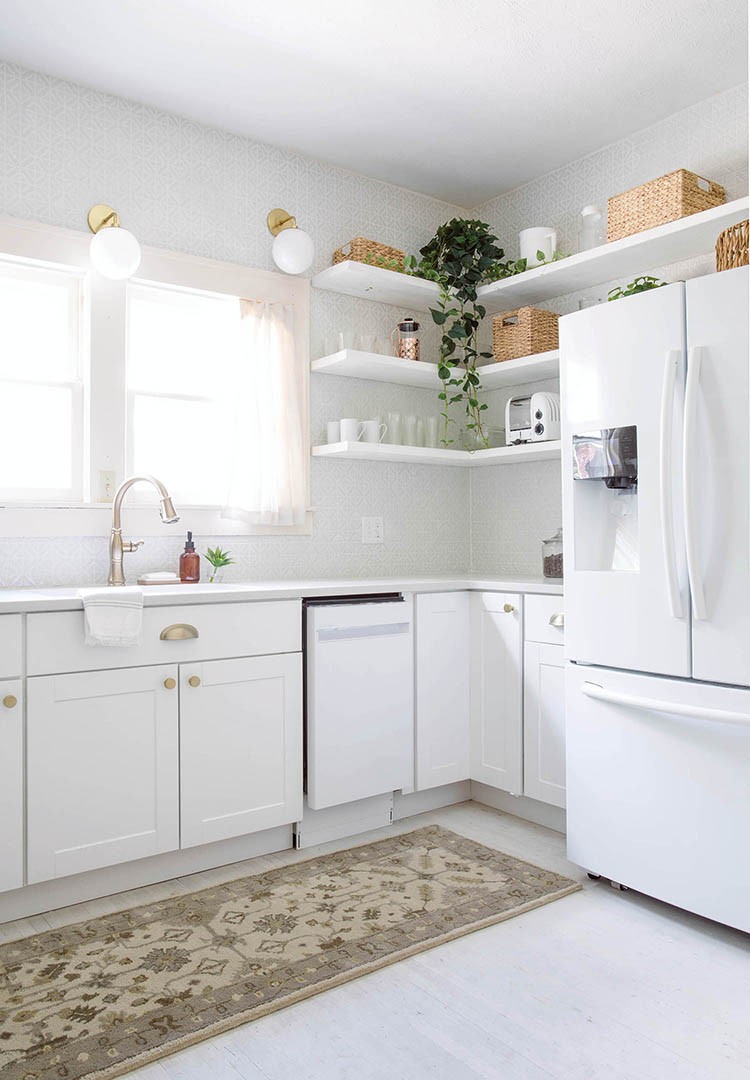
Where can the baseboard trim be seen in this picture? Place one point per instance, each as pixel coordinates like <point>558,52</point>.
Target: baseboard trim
<point>49,895</point>
<point>420,802</point>
<point>552,817</point>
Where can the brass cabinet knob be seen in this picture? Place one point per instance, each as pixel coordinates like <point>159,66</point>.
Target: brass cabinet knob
<point>508,608</point>
<point>194,681</point>
<point>10,701</point>
<point>170,684</point>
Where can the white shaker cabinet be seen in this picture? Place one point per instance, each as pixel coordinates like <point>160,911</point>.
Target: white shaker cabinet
<point>11,784</point>
<point>442,688</point>
<point>102,765</point>
<point>497,690</point>
<point>240,746</point>
<point>544,723</point>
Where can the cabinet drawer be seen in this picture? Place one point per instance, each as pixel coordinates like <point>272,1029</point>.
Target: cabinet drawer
<point>538,627</point>
<point>55,640</point>
<point>10,646</point>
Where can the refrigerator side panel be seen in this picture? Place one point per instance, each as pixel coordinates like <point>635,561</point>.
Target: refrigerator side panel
<point>626,593</point>
<point>717,466</point>
<point>659,799</point>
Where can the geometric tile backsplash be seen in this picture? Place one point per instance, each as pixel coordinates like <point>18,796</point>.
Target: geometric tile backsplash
<point>186,187</point>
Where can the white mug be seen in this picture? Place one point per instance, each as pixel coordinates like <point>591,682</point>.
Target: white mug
<point>334,431</point>
<point>373,431</point>
<point>532,240</point>
<point>351,430</point>
<point>410,430</point>
<point>393,428</point>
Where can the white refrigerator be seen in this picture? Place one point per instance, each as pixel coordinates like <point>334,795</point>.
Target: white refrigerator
<point>656,517</point>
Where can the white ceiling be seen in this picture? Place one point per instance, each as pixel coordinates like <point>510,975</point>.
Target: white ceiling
<point>461,99</point>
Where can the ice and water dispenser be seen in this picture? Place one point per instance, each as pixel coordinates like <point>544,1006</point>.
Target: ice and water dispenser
<point>605,468</point>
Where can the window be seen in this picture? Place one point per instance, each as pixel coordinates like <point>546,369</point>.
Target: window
<point>41,434</point>
<point>182,356</point>
<point>196,372</point>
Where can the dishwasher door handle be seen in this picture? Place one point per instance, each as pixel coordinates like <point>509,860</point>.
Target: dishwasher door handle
<point>343,633</point>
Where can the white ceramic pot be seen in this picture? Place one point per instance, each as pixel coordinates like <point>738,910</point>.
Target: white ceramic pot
<point>541,239</point>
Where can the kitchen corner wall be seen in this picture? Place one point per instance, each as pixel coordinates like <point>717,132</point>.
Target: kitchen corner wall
<point>185,187</point>
<point>513,509</point>
<point>189,188</point>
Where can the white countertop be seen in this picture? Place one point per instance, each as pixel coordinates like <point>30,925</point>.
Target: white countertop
<point>68,599</point>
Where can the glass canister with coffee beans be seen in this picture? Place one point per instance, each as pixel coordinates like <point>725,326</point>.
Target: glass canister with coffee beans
<point>552,556</point>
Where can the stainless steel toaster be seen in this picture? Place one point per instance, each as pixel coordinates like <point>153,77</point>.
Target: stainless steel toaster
<point>532,419</point>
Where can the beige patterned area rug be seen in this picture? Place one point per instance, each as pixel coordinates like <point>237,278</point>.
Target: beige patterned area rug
<point>100,998</point>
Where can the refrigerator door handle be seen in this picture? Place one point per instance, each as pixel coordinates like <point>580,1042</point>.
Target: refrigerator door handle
<point>666,427</point>
<point>696,712</point>
<point>689,460</point>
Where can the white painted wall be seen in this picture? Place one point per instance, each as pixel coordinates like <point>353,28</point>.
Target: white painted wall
<point>190,188</point>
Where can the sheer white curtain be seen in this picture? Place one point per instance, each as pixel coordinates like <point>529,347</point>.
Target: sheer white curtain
<point>267,470</point>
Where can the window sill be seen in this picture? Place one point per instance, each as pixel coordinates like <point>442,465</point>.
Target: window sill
<point>94,519</point>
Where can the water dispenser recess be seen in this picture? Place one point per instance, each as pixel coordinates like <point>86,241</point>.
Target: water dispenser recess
<point>609,454</point>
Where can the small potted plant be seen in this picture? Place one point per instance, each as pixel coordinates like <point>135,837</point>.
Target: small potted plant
<point>218,559</point>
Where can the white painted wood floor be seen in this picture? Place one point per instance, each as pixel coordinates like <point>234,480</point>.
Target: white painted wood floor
<point>598,984</point>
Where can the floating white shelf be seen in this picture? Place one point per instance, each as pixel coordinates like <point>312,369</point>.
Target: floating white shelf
<point>366,365</point>
<point>423,455</point>
<point>621,260</point>
<point>376,283</point>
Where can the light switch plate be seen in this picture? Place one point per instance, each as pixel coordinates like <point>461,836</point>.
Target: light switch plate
<point>372,530</point>
<point>106,485</point>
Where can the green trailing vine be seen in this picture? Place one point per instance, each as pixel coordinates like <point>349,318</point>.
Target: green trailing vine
<point>641,284</point>
<point>460,257</point>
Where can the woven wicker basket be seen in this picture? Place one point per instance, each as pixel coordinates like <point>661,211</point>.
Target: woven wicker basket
<point>523,332</point>
<point>368,251</point>
<point>732,246</point>
<point>675,195</point>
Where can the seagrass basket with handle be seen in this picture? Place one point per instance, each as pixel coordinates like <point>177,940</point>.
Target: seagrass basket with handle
<point>523,332</point>
<point>674,195</point>
<point>732,246</point>
<point>360,249</point>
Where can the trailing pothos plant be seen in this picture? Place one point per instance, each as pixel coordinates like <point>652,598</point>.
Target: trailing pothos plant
<point>461,256</point>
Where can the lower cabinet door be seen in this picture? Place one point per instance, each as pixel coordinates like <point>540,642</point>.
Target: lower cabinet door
<point>102,766</point>
<point>11,784</point>
<point>240,746</point>
<point>496,690</point>
<point>442,688</point>
<point>544,723</point>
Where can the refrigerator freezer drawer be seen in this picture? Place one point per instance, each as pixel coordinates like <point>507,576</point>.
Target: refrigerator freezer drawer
<point>359,701</point>
<point>658,788</point>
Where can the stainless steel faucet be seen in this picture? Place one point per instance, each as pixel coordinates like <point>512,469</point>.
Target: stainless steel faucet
<point>117,546</point>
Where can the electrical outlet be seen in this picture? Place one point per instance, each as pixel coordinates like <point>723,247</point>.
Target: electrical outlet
<point>106,485</point>
<point>372,530</point>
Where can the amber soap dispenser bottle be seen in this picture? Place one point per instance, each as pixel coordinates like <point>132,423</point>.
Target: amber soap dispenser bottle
<point>190,562</point>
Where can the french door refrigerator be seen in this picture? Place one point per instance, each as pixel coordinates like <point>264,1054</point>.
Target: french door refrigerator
<point>656,515</point>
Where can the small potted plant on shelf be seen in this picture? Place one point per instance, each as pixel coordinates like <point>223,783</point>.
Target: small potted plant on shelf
<point>218,559</point>
<point>639,285</point>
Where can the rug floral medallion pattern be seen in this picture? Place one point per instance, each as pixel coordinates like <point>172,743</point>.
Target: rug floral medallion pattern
<point>103,997</point>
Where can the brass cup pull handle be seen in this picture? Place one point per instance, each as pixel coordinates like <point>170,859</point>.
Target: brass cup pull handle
<point>194,681</point>
<point>508,608</point>
<point>179,631</point>
<point>557,620</point>
<point>169,684</point>
<point>10,701</point>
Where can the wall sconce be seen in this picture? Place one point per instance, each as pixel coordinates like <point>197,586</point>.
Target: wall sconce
<point>293,249</point>
<point>114,251</point>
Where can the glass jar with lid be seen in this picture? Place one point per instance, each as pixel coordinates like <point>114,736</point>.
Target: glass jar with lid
<point>552,556</point>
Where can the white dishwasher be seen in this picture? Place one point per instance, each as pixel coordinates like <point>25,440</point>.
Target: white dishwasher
<point>359,698</point>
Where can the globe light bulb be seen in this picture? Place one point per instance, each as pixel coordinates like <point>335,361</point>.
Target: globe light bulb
<point>115,253</point>
<point>293,251</point>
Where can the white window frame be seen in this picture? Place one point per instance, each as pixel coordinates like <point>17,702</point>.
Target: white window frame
<point>105,351</point>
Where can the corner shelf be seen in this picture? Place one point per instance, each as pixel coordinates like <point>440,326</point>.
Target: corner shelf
<point>424,455</point>
<point>366,365</point>
<point>685,238</point>
<point>376,283</point>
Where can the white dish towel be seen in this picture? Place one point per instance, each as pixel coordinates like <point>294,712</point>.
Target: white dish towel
<point>114,616</point>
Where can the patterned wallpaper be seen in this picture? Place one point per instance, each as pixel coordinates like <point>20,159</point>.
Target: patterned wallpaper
<point>186,187</point>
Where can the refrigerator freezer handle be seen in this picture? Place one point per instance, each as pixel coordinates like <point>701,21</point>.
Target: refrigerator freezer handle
<point>671,367</point>
<point>689,462</point>
<point>693,712</point>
